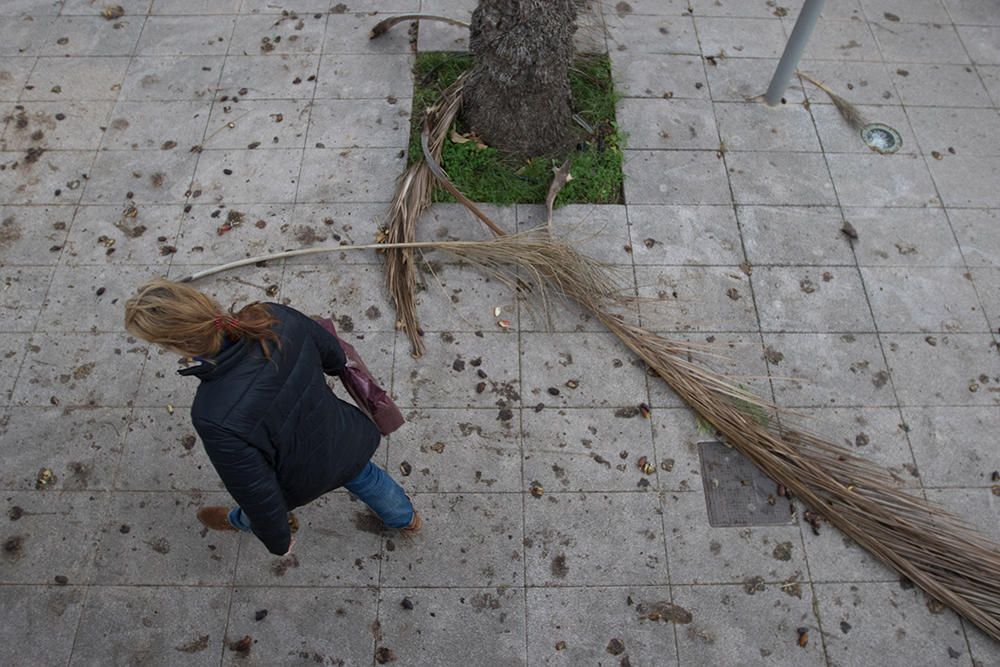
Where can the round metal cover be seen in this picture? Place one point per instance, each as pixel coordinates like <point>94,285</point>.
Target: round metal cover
<point>881,138</point>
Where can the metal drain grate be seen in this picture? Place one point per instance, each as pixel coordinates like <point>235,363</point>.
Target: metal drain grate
<point>881,138</point>
<point>736,493</point>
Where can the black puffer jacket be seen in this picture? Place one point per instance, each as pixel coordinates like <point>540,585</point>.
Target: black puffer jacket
<point>274,430</point>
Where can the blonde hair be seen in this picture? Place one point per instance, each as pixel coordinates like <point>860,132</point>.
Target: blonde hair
<point>180,318</point>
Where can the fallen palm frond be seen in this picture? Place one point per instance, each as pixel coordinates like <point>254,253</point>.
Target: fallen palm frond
<point>934,549</point>
<point>850,113</point>
<point>385,25</point>
<point>413,195</point>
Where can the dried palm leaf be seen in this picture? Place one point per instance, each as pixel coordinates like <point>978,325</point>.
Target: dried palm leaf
<point>936,550</point>
<point>850,113</point>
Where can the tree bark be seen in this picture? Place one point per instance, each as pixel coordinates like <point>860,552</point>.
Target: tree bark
<point>518,96</point>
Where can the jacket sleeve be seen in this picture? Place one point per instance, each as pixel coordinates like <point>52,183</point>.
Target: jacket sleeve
<point>330,352</point>
<point>251,482</point>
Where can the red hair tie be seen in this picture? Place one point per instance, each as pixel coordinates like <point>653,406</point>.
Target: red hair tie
<point>218,322</point>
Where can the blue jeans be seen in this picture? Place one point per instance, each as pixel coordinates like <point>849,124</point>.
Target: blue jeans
<point>374,487</point>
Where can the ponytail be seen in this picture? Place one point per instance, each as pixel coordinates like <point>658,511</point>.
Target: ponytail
<point>180,318</point>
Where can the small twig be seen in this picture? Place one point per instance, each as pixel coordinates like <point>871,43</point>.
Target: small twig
<point>385,25</point>
<point>562,177</point>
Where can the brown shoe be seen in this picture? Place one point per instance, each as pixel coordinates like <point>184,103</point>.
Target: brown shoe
<point>215,518</point>
<point>414,526</point>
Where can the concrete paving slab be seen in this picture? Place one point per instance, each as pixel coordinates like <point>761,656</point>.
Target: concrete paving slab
<point>931,300</point>
<point>185,36</point>
<point>645,34</point>
<point>665,235</point>
<point>668,77</point>
<point>155,538</point>
<point>964,369</point>
<point>67,125</point>
<point>155,625</point>
<point>568,626</point>
<point>583,369</point>
<point>566,535</point>
<point>695,298</point>
<point>339,544</point>
<point>956,85</point>
<point>262,124</point>
<point>780,178</point>
<point>856,619</point>
<point>162,452</point>
<point>794,235</point>
<point>945,454</point>
<point>700,554</point>
<point>881,180</point>
<point>123,234</point>
<point>46,618</point>
<point>744,79</point>
<point>987,282</point>
<point>839,39</point>
<point>302,626</point>
<point>675,177</point>
<point>585,449</point>
<point>905,237</point>
<point>82,448</point>
<point>54,178</point>
<point>966,181</point>
<point>53,536</point>
<point>451,626</point>
<point>440,379</point>
<point>756,127</point>
<point>811,299</point>
<point>740,37</point>
<point>165,125</point>
<point>759,629</point>
<point>221,233</point>
<point>474,447</point>
<point>668,124</point>
<point>451,451</point>
<point>153,177</point>
<point>76,369</point>
<point>972,227</point>
<point>24,291</point>
<point>90,298</point>
<point>248,176</point>
<point>829,370</point>
<point>153,78</point>
<point>359,124</point>
<point>362,175</point>
<point>340,76</point>
<point>276,35</point>
<point>477,539</point>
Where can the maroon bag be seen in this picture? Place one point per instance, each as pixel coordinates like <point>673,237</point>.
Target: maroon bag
<point>361,385</point>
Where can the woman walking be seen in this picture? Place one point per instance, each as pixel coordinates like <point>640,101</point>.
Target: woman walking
<point>274,430</point>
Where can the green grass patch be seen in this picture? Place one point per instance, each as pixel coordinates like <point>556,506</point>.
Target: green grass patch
<point>486,175</point>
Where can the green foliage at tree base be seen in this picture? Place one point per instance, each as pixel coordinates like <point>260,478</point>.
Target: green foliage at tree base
<point>484,174</point>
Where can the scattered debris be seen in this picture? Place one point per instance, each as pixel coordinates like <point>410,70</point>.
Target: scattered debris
<point>803,636</point>
<point>44,478</point>
<point>616,646</point>
<point>537,490</point>
<point>407,604</point>
<point>112,12</point>
<point>260,615</point>
<point>384,655</point>
<point>242,647</point>
<point>195,645</point>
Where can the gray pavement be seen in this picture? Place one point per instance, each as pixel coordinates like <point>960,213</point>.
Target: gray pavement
<point>127,143</point>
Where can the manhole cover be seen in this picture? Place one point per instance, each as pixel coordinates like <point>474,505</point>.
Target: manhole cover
<point>881,138</point>
<point>736,492</point>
